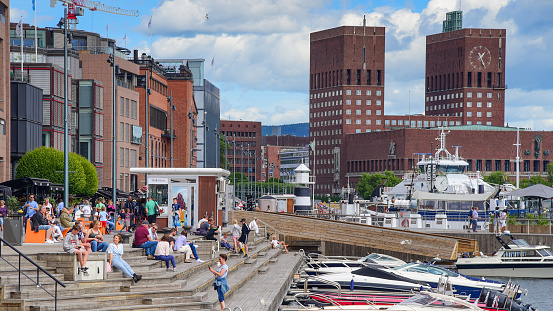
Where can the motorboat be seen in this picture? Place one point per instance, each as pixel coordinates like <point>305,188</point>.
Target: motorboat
<point>516,258</point>
<point>425,301</point>
<point>430,274</point>
<point>337,265</point>
<point>366,278</point>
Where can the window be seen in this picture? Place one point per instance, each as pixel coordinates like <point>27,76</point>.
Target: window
<point>378,112</point>
<point>507,165</point>
<point>348,111</point>
<point>419,123</point>
<point>469,104</point>
<point>348,101</point>
<point>368,122</point>
<point>469,94</point>
<point>358,121</point>
<point>378,122</point>
<point>133,109</point>
<point>378,102</point>
<point>469,79</point>
<point>378,93</point>
<point>368,92</point>
<point>478,165</point>
<point>526,165</point>
<point>2,123</point>
<point>127,107</point>
<point>121,131</point>
<point>358,112</point>
<point>379,77</point>
<point>122,157</point>
<point>394,122</point>
<point>478,114</point>
<point>358,102</point>
<point>399,122</point>
<point>479,104</point>
<point>368,102</point>
<point>432,123</point>
<point>469,113</point>
<point>489,114</point>
<point>386,122</point>
<point>489,95</point>
<point>489,105</point>
<point>158,118</point>
<point>357,130</point>
<point>348,121</point>
<point>358,92</point>
<point>488,165</point>
<point>536,165</point>
<point>122,106</point>
<point>544,167</point>
<point>479,95</point>
<point>348,77</point>
<point>348,92</point>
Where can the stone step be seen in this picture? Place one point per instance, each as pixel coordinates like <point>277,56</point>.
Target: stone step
<point>198,297</point>
<point>30,271</point>
<point>263,269</point>
<point>250,261</point>
<point>273,260</point>
<point>262,254</point>
<point>7,279</point>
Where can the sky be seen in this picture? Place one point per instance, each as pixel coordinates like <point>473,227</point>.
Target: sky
<point>260,48</point>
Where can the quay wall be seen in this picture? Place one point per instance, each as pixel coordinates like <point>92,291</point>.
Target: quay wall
<point>489,244</point>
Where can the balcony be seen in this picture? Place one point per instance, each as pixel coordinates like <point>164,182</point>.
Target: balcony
<point>500,87</point>
<point>167,134</point>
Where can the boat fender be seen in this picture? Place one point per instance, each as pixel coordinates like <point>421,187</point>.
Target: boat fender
<point>351,285</point>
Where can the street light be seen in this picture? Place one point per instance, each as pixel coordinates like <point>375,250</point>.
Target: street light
<point>192,122</point>
<point>111,61</point>
<point>65,112</point>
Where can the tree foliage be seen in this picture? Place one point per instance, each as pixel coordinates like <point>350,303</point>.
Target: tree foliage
<point>369,182</point>
<point>497,177</point>
<point>549,170</point>
<point>238,177</point>
<point>223,146</point>
<point>47,163</point>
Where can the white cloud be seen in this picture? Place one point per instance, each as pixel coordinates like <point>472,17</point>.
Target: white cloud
<point>16,14</point>
<point>529,109</point>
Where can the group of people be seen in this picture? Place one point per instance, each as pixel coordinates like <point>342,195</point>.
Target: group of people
<point>499,220</point>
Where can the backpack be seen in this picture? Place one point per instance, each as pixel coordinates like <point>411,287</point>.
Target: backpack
<point>157,209</point>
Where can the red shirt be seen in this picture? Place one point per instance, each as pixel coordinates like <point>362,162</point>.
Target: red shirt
<point>140,236</point>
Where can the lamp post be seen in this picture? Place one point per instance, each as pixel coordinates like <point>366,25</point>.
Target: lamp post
<point>234,164</point>
<point>65,115</point>
<point>111,61</point>
<point>241,172</point>
<point>192,121</point>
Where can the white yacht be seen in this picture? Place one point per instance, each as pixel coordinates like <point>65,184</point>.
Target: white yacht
<point>516,258</point>
<point>338,265</point>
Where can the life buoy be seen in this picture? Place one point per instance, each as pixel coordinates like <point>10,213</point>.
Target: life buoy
<point>405,223</point>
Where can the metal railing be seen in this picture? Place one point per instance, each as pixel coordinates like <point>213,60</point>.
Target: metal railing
<point>275,229</point>
<point>38,270</point>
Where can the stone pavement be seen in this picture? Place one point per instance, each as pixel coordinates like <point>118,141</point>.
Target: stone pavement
<point>270,285</point>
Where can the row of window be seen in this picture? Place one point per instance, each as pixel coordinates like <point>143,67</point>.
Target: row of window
<point>367,112</point>
<point>128,108</point>
<point>325,133</point>
<point>238,134</point>
<point>456,105</point>
<point>508,166</point>
<point>130,133</point>
<point>334,78</point>
<point>325,123</point>
<point>456,80</point>
<point>127,157</point>
<point>348,92</point>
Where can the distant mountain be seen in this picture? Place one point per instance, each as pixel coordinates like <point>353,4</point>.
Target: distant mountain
<point>298,129</point>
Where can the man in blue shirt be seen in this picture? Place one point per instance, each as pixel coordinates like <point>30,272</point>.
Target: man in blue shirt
<point>60,207</point>
<point>31,206</point>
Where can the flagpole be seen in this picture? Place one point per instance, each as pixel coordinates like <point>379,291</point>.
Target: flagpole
<point>125,40</point>
<point>36,36</point>
<point>21,33</point>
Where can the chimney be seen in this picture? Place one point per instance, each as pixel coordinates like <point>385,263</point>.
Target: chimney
<point>135,55</point>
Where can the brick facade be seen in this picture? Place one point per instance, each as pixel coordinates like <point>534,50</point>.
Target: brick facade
<point>244,140</point>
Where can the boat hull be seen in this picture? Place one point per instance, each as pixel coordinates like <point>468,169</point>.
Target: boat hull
<point>515,270</point>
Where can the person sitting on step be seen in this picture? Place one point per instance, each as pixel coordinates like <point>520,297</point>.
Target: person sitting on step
<point>213,231</point>
<point>142,239</point>
<point>182,246</point>
<point>224,242</point>
<point>163,252</point>
<point>279,244</point>
<point>71,245</point>
<point>115,251</point>
<point>95,238</point>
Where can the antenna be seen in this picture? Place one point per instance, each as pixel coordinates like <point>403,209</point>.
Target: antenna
<point>460,1</point>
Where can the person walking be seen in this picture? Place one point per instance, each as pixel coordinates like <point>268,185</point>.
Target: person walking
<point>220,283</point>
<point>475,218</point>
<point>496,220</point>
<point>3,213</point>
<point>115,251</point>
<point>235,231</point>
<point>244,237</point>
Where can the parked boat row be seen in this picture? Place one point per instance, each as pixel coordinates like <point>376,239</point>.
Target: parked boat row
<point>358,284</point>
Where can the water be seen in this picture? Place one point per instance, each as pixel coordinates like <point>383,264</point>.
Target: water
<point>539,291</point>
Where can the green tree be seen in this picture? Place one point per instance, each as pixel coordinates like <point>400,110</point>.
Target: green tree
<point>240,177</point>
<point>369,182</point>
<point>549,170</point>
<point>497,178</point>
<point>223,146</point>
<point>533,180</point>
<point>47,163</point>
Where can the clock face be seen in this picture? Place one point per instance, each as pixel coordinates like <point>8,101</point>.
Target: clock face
<point>480,57</point>
<point>441,183</point>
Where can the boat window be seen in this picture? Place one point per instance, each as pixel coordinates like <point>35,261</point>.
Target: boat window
<point>520,242</point>
<point>354,265</point>
<point>545,252</point>
<point>420,269</point>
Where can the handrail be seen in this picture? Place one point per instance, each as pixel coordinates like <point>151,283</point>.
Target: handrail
<point>275,229</point>
<point>328,282</point>
<point>39,268</point>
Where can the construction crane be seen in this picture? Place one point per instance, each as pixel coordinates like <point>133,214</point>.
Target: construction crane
<point>76,8</point>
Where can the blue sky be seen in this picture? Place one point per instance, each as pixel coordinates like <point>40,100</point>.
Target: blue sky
<point>261,47</point>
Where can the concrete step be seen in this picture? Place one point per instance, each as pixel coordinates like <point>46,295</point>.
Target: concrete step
<point>263,269</point>
<point>7,279</point>
<point>250,261</point>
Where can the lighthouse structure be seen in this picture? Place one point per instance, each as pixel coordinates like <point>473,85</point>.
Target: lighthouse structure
<point>302,202</point>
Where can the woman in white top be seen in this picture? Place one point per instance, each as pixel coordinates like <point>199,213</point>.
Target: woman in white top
<point>48,206</point>
<point>503,220</point>
<point>163,250</point>
<point>115,251</point>
<point>235,231</point>
<point>87,210</point>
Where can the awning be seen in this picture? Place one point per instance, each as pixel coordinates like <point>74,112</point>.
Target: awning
<point>536,191</point>
<point>427,196</point>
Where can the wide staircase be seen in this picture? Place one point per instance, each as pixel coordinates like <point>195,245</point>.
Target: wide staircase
<point>187,288</point>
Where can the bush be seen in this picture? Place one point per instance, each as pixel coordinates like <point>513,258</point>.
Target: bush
<point>47,163</point>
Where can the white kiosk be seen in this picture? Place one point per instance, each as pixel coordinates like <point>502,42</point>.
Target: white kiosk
<point>201,190</point>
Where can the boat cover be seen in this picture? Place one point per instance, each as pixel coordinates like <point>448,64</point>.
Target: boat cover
<point>427,196</point>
